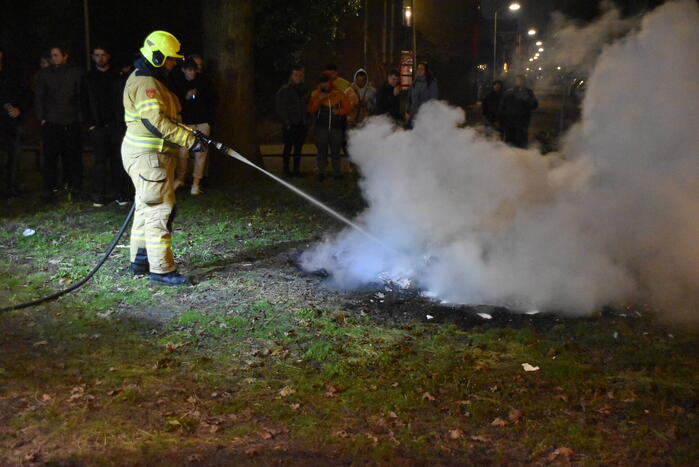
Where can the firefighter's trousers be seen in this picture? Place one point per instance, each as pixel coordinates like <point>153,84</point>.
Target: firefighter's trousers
<point>152,174</point>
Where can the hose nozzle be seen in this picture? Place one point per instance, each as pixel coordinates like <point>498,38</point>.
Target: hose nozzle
<point>205,139</point>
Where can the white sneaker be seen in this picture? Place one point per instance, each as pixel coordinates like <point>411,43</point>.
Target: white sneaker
<point>177,185</point>
<point>195,190</point>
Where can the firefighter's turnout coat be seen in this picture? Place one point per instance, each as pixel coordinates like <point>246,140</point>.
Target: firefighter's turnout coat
<point>149,153</point>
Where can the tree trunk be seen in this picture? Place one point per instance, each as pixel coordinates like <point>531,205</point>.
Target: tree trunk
<point>229,48</point>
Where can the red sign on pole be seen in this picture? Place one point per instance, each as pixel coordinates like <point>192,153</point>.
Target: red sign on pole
<point>407,64</point>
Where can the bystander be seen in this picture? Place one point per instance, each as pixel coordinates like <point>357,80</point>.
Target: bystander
<point>291,101</point>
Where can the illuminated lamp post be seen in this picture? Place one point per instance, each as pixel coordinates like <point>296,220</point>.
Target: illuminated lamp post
<point>514,6</point>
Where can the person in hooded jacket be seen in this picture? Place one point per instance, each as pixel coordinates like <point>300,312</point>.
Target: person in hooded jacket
<point>424,89</point>
<point>362,96</point>
<point>330,108</point>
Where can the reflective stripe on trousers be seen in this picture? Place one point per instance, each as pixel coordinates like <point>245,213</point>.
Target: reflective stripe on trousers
<point>152,174</point>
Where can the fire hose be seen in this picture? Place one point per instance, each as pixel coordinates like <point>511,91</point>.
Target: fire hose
<point>81,282</point>
<point>224,149</point>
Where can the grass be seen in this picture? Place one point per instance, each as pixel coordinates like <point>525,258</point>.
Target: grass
<point>253,365</point>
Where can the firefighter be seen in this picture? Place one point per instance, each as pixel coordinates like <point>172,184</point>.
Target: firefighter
<point>149,153</point>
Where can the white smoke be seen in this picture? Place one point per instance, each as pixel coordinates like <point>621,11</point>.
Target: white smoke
<point>576,46</point>
<point>616,218</point>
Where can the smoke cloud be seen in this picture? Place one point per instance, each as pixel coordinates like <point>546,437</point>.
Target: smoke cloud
<point>576,46</point>
<point>613,218</point>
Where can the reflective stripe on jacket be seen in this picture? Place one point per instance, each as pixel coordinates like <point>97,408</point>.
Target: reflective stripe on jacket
<point>150,110</point>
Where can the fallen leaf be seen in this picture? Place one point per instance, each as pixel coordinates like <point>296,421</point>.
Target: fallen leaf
<point>499,422</point>
<point>253,451</point>
<point>392,414</point>
<point>37,344</point>
<point>528,367</point>
<point>341,434</point>
<point>456,434</point>
<point>514,415</point>
<point>286,391</point>
<point>195,458</point>
<point>266,434</point>
<point>372,437</point>
<point>481,439</point>
<point>562,451</point>
<point>428,396</point>
<point>333,388</point>
<point>46,398</point>
<point>294,406</point>
<point>171,347</point>
<point>32,456</point>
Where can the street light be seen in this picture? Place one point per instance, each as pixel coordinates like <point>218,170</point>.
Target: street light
<point>514,6</point>
<point>541,49</point>
<point>532,32</point>
<point>408,16</point>
<point>539,43</point>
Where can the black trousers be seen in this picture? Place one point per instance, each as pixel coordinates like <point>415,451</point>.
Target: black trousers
<point>9,159</point>
<point>109,175</point>
<point>294,137</point>
<point>329,138</point>
<point>516,134</point>
<point>62,142</point>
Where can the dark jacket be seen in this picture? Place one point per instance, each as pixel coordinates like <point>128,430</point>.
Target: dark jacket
<point>58,92</point>
<point>420,92</point>
<point>291,101</point>
<point>491,104</point>
<point>387,102</point>
<point>201,108</point>
<point>516,106</point>
<point>11,93</point>
<point>103,98</point>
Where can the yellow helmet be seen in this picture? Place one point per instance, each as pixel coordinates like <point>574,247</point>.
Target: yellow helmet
<point>160,45</point>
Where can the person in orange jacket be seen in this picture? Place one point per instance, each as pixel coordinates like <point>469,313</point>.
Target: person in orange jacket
<point>330,107</point>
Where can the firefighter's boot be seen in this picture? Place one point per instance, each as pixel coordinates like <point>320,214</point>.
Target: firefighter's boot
<point>169,278</point>
<point>140,265</point>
